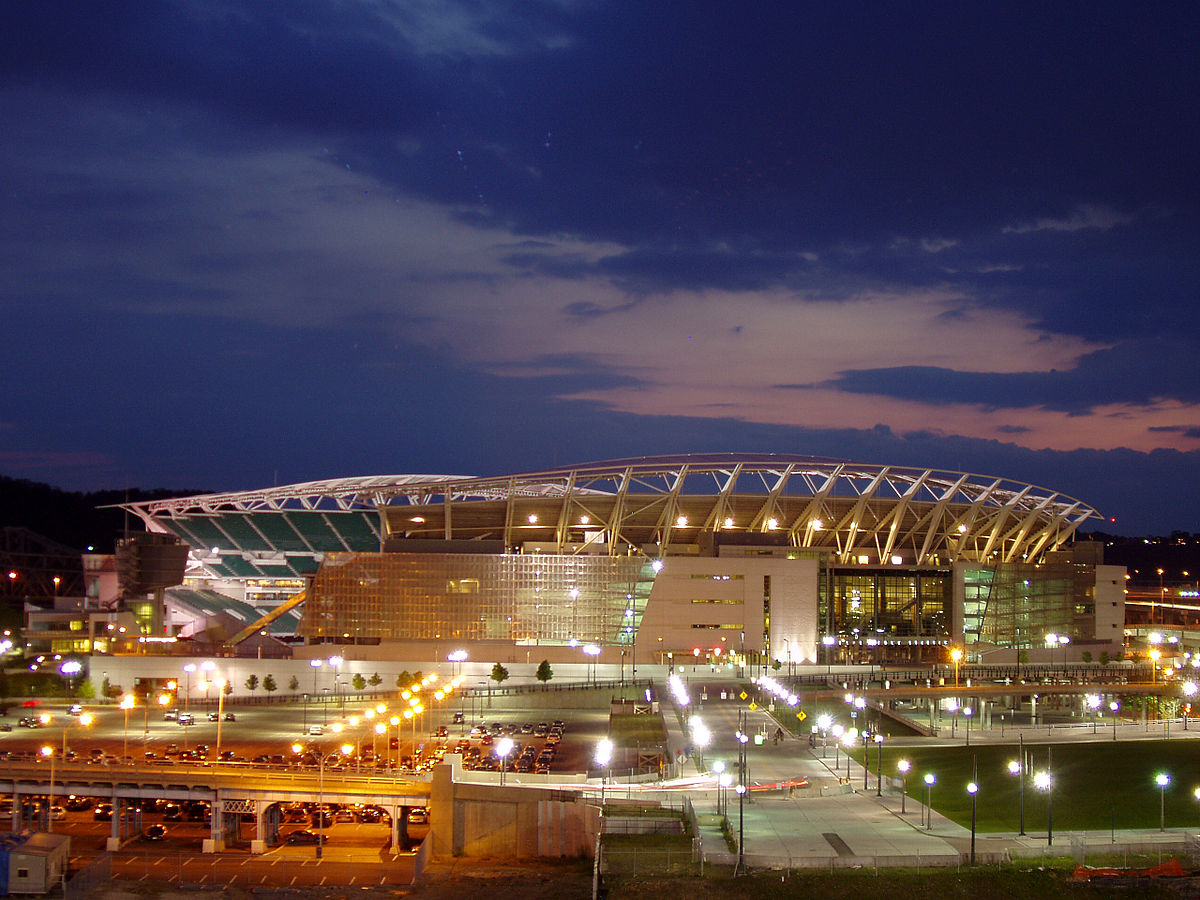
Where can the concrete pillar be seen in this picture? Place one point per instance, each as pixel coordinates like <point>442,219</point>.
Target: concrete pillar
<point>258,843</point>
<point>114,838</point>
<point>215,842</point>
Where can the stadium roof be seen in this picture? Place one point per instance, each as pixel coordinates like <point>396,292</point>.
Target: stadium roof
<point>845,508</point>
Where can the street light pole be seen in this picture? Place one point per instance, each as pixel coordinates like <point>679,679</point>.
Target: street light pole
<point>878,764</point>
<point>973,790</point>
<point>903,766</point>
<point>930,778</point>
<point>1162,779</point>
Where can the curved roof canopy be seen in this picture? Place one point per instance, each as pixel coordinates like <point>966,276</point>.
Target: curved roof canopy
<point>660,504</point>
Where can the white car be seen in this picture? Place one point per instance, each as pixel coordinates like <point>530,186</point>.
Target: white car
<point>315,729</point>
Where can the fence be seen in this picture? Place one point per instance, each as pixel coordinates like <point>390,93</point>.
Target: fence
<point>98,871</point>
<point>642,861</point>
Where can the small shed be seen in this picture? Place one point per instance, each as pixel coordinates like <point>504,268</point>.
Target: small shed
<point>33,863</point>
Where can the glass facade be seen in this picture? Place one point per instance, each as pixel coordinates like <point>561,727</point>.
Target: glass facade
<point>1017,605</point>
<point>523,598</point>
<point>886,604</point>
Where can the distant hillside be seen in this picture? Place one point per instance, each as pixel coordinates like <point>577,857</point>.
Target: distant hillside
<point>71,517</point>
<point>1175,554</point>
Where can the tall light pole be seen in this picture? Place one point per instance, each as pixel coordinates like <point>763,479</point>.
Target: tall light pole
<point>1016,768</point>
<point>956,655</point>
<point>504,747</point>
<point>1114,707</point>
<point>930,778</point>
<point>48,752</point>
<point>603,758</point>
<point>592,652</point>
<point>1044,781</point>
<point>187,684</point>
<point>1162,779</point>
<point>220,683</point>
<point>878,764</point>
<point>902,767</point>
<point>126,706</point>
<point>973,790</point>
<point>743,781</point>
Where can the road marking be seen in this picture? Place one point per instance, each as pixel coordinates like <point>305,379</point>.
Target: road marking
<point>293,881</point>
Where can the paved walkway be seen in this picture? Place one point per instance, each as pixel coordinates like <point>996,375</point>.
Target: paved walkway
<point>835,823</point>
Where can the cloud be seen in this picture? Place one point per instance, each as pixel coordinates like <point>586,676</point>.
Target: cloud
<point>1086,217</point>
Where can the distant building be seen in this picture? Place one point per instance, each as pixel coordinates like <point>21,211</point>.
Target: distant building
<point>758,557</point>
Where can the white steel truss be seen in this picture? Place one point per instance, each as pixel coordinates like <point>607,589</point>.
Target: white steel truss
<point>647,505</point>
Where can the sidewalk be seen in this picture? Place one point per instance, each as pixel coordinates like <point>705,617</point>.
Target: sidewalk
<point>834,823</point>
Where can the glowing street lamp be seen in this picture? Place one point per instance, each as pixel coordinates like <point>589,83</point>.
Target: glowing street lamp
<point>973,790</point>
<point>1014,768</point>
<point>1044,781</point>
<point>956,655</point>
<point>930,779</point>
<point>592,651</point>
<point>1162,779</point>
<point>902,767</point>
<point>504,747</point>
<point>126,705</point>
<point>48,753</point>
<point>603,758</point>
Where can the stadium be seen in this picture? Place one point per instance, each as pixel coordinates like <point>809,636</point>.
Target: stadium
<point>753,558</point>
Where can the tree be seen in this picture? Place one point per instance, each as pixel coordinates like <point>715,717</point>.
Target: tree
<point>358,681</point>
<point>544,672</point>
<point>87,691</point>
<point>375,680</point>
<point>293,684</point>
<point>228,689</point>
<point>404,679</point>
<point>499,674</point>
<point>252,683</point>
<point>106,687</point>
<point>1086,656</point>
<point>269,684</point>
<point>776,665</point>
<point>418,676</point>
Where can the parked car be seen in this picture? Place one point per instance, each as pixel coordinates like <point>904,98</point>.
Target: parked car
<point>305,837</point>
<point>418,815</point>
<point>103,812</point>
<point>155,832</point>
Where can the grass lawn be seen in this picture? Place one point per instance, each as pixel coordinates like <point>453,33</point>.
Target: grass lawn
<point>631,730</point>
<point>1096,785</point>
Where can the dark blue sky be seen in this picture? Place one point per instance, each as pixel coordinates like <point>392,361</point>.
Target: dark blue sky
<point>266,242</point>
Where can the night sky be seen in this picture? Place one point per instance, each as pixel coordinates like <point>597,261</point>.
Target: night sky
<point>253,243</point>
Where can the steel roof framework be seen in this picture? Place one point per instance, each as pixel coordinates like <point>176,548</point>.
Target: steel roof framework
<point>650,504</point>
